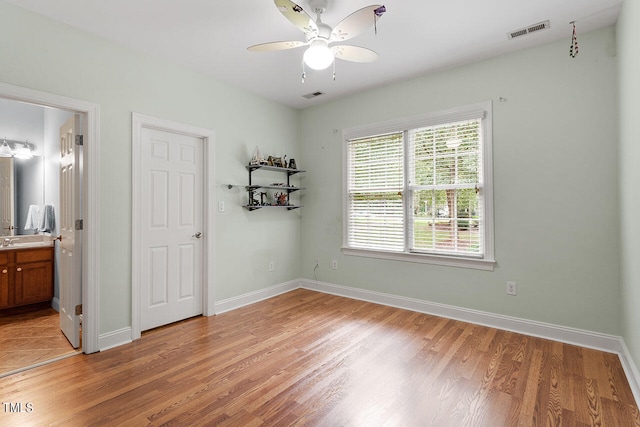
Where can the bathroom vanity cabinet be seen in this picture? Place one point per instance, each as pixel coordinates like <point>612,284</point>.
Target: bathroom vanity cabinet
<point>26,276</point>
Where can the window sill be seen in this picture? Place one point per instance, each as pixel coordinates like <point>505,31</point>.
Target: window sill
<point>450,261</point>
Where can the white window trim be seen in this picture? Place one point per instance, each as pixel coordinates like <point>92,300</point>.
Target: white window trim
<point>486,262</point>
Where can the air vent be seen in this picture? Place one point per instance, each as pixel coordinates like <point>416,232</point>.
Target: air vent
<point>312,95</point>
<point>528,30</point>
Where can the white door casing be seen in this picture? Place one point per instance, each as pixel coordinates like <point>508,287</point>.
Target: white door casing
<point>172,217</point>
<point>70,262</point>
<point>91,200</point>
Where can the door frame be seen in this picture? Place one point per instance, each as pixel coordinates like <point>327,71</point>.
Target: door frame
<point>140,121</point>
<point>90,195</point>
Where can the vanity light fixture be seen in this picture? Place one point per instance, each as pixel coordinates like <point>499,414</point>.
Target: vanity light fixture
<point>23,151</point>
<point>5,150</point>
<point>19,150</point>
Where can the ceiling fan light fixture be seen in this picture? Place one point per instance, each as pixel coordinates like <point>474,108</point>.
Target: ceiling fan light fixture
<point>318,56</point>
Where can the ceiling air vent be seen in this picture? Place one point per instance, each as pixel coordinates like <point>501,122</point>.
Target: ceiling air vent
<point>312,95</point>
<point>528,30</point>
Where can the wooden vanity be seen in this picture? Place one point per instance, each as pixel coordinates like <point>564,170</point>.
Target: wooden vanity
<point>26,275</point>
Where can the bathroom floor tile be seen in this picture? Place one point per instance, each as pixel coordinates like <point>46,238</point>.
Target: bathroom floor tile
<point>29,336</point>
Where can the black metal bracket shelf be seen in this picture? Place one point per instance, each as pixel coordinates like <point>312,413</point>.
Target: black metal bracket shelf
<point>256,207</point>
<point>251,188</point>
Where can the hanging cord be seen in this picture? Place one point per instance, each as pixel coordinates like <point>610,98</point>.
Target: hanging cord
<point>377,13</point>
<point>334,70</point>
<point>573,49</point>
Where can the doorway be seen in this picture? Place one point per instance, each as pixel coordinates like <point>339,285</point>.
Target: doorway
<point>30,327</point>
<point>55,104</point>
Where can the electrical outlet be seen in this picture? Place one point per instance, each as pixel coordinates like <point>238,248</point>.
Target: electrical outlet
<point>334,264</point>
<point>512,288</point>
<point>272,266</point>
<point>220,206</point>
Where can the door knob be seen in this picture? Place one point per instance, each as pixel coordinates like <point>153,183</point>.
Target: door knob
<point>197,235</point>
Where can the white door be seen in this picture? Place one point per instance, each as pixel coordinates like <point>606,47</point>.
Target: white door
<point>171,258</point>
<point>6,196</point>
<point>70,262</point>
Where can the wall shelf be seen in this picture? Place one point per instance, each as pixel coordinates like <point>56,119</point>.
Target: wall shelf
<point>254,203</point>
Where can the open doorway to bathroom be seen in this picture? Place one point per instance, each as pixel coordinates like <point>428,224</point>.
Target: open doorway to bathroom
<point>30,332</point>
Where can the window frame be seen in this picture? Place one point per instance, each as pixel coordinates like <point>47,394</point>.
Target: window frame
<point>481,110</point>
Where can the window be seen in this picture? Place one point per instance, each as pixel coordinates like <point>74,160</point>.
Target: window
<point>419,189</point>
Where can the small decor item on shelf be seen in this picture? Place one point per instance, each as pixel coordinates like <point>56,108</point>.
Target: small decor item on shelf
<point>292,164</point>
<point>281,199</point>
<point>263,199</point>
<point>257,158</point>
<point>277,162</point>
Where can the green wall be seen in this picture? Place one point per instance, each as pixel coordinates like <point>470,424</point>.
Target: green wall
<point>42,54</point>
<point>555,185</point>
<point>556,162</point>
<point>628,37</point>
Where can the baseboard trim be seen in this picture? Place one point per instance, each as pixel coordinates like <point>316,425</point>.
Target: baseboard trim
<point>55,304</point>
<point>114,338</point>
<point>253,297</point>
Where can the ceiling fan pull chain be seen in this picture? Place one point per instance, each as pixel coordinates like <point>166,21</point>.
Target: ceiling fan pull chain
<point>334,71</point>
<point>304,74</point>
<point>573,49</point>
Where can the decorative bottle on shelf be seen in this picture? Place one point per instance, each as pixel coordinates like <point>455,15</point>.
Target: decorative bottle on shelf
<point>257,158</point>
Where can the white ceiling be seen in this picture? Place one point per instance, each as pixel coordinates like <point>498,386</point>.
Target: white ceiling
<point>415,37</point>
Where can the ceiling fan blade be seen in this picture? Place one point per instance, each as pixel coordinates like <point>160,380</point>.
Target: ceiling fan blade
<point>355,23</point>
<point>296,14</point>
<point>272,46</point>
<point>354,53</point>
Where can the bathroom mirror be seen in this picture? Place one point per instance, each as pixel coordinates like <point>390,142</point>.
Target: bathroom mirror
<point>21,185</point>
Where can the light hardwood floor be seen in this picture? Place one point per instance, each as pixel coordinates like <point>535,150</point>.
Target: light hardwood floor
<point>306,358</point>
<point>30,335</point>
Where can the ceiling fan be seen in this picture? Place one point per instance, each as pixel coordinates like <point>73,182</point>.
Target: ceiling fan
<point>319,36</point>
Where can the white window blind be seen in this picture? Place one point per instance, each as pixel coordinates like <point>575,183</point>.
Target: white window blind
<point>445,186</point>
<point>417,188</point>
<point>375,183</point>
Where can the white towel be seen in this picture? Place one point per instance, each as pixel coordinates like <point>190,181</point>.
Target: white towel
<point>48,223</point>
<point>33,218</point>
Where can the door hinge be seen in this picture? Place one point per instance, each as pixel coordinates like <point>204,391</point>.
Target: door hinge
<point>79,224</point>
<point>78,309</point>
<point>79,140</point>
